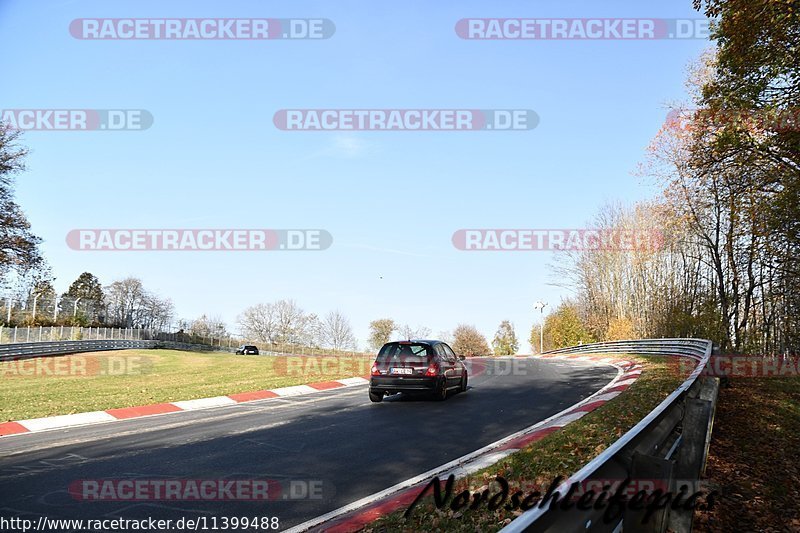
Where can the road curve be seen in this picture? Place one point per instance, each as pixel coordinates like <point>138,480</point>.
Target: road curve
<point>336,444</point>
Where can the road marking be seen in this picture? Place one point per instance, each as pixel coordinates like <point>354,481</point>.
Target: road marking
<point>463,463</point>
<point>205,403</point>
<point>55,422</point>
<point>210,415</point>
<point>349,382</point>
<point>295,390</point>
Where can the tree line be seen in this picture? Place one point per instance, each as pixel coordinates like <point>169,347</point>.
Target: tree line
<point>124,303</point>
<point>728,164</point>
<point>465,339</point>
<point>284,323</point>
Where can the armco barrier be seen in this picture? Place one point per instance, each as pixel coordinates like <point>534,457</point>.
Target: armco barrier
<point>670,444</point>
<point>39,349</point>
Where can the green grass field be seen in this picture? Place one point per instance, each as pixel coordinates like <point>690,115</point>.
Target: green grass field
<point>96,381</point>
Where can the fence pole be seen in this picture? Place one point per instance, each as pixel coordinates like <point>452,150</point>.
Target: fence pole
<point>15,333</point>
<point>61,333</point>
<point>28,334</point>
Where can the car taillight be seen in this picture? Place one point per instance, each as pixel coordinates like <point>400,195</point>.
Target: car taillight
<point>375,371</point>
<point>433,370</point>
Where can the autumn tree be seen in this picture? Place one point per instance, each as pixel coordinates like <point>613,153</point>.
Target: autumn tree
<point>84,298</point>
<point>380,332</point>
<point>620,329</point>
<point>505,340</point>
<point>756,87</point>
<point>40,302</point>
<point>208,326</point>
<point>130,305</point>
<point>280,322</point>
<point>337,332</point>
<point>562,328</point>
<point>19,247</point>
<point>258,322</point>
<point>407,332</point>
<point>468,341</point>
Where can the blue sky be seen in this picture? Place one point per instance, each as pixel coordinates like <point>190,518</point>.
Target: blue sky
<point>391,200</point>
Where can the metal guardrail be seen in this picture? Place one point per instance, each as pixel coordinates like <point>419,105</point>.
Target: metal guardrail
<point>28,350</point>
<point>669,444</point>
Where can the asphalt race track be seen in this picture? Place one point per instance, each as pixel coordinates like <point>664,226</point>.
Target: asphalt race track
<point>335,445</point>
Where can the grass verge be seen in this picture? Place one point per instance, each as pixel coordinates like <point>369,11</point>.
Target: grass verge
<point>753,457</point>
<point>48,386</point>
<point>559,454</point>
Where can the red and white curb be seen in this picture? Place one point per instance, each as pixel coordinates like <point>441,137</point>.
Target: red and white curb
<point>34,425</point>
<point>357,515</point>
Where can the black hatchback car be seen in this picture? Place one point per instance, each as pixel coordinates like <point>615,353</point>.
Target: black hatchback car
<point>247,349</point>
<point>417,367</point>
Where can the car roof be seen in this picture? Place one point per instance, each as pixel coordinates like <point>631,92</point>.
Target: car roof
<point>418,341</point>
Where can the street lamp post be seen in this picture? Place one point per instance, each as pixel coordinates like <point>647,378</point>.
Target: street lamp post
<point>539,306</point>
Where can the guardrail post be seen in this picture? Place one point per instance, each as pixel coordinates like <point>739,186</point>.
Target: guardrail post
<point>691,455</point>
<point>15,333</point>
<point>647,471</point>
<point>709,390</point>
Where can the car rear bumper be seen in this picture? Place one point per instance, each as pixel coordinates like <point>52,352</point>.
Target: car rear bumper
<point>393,384</point>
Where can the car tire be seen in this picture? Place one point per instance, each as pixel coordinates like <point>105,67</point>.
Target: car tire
<point>441,391</point>
<point>375,398</point>
<point>463,387</point>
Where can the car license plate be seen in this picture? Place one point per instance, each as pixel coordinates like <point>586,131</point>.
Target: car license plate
<point>402,371</point>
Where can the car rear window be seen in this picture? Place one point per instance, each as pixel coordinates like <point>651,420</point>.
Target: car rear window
<point>250,347</point>
<point>404,351</point>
